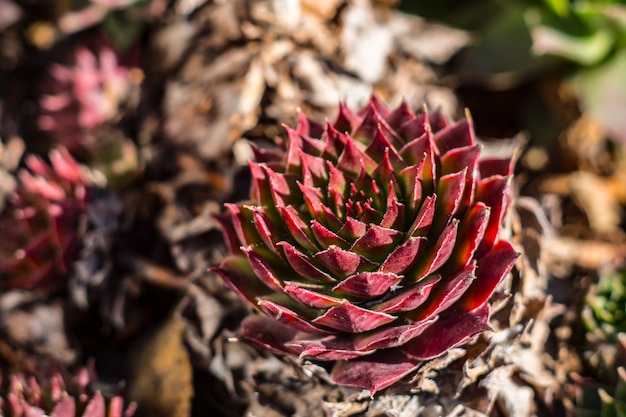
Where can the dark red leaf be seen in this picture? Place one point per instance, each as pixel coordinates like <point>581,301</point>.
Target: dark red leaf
<point>367,284</point>
<point>410,181</point>
<point>236,272</point>
<point>337,181</point>
<point>352,159</point>
<point>308,127</point>
<point>261,270</point>
<point>267,229</point>
<point>418,150</point>
<point>373,120</point>
<point>402,257</point>
<point>414,128</point>
<point>374,372</point>
<point>228,230</point>
<point>446,293</point>
<point>349,318</point>
<point>377,242</point>
<point>457,160</point>
<point>400,116</point>
<point>490,271</point>
<point>260,189</point>
<point>352,229</point>
<point>314,173</point>
<point>329,348</point>
<point>240,216</point>
<point>391,336</point>
<point>288,317</point>
<point>346,120</point>
<point>309,296</point>
<point>374,105</point>
<point>471,231</point>
<point>435,256</point>
<point>449,194</point>
<point>326,237</point>
<point>457,135</point>
<point>294,145</point>
<point>384,172</point>
<point>334,142</point>
<point>299,230</point>
<point>313,198</point>
<point>423,220</point>
<point>496,166</point>
<point>284,188</point>
<point>341,262</point>
<point>380,148</point>
<point>495,193</point>
<point>408,298</point>
<point>267,334</point>
<point>454,329</point>
<point>302,266</point>
<point>394,215</point>
<point>437,121</point>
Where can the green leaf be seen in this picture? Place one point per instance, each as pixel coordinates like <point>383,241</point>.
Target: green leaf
<point>550,38</point>
<point>559,7</point>
<point>602,94</point>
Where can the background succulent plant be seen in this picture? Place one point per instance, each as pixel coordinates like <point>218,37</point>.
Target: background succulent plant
<point>85,95</point>
<point>39,226</point>
<point>604,317</point>
<point>57,395</point>
<point>615,405</point>
<point>371,242</point>
<point>605,396</point>
<point>604,313</point>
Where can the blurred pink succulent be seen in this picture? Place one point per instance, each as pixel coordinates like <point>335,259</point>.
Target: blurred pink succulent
<point>84,96</point>
<point>371,242</point>
<point>57,396</point>
<point>39,226</point>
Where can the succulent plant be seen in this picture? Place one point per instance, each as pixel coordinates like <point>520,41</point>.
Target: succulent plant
<point>604,396</point>
<point>84,96</point>
<point>59,395</point>
<point>40,224</point>
<point>604,312</point>
<point>615,405</point>
<point>604,317</point>
<point>372,242</point>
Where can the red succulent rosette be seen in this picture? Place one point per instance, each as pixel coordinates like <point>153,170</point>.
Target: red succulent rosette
<point>371,242</point>
<point>58,394</point>
<point>84,95</point>
<point>39,226</point>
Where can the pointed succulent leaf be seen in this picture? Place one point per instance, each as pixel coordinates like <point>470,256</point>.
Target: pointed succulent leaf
<point>310,296</point>
<point>374,372</point>
<point>302,265</point>
<point>330,348</point>
<point>391,336</point>
<point>404,255</point>
<point>288,317</point>
<point>453,329</point>
<point>266,333</point>
<point>350,318</point>
<point>367,284</point>
<point>409,298</point>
